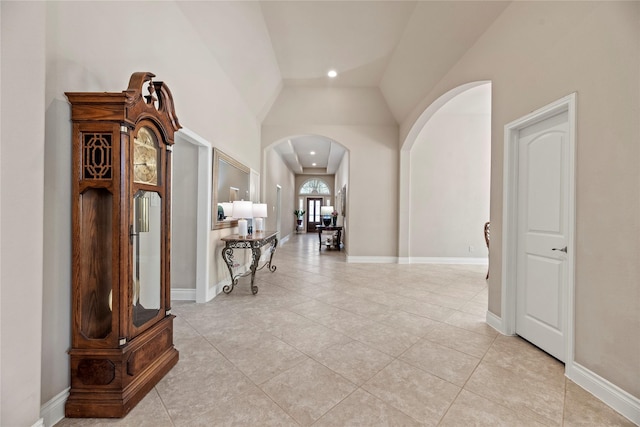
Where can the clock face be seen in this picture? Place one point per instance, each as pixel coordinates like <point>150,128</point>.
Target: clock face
<point>145,157</point>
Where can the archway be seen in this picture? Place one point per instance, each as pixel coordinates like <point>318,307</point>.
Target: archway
<point>445,179</point>
<point>284,165</point>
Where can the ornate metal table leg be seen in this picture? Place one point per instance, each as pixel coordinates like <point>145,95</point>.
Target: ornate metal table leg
<point>274,244</point>
<point>255,259</point>
<point>227,256</point>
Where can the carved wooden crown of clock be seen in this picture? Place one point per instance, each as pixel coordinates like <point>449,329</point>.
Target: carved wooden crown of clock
<point>122,326</point>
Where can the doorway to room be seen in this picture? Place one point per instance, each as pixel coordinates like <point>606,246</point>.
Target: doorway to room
<point>445,180</point>
<point>313,213</point>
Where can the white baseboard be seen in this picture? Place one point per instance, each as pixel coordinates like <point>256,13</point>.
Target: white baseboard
<point>217,289</point>
<point>372,259</point>
<point>620,400</point>
<point>53,411</point>
<point>284,240</point>
<point>183,294</point>
<point>495,322</point>
<point>448,260</point>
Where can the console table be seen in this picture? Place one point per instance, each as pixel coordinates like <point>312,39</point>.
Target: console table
<point>255,242</point>
<point>322,228</point>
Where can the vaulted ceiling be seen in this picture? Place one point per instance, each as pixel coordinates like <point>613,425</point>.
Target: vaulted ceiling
<point>401,47</point>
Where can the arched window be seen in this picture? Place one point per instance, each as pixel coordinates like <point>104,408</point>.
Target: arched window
<point>315,186</point>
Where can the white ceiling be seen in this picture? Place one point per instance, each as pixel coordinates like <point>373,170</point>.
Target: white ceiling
<point>402,47</point>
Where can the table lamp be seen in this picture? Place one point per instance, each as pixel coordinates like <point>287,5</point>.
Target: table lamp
<point>242,210</point>
<point>259,213</point>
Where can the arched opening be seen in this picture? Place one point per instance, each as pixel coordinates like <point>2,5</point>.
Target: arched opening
<point>306,183</point>
<point>446,174</point>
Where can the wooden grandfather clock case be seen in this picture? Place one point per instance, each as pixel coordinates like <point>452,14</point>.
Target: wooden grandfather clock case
<point>122,326</point>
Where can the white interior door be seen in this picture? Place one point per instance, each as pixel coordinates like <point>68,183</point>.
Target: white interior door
<point>543,233</point>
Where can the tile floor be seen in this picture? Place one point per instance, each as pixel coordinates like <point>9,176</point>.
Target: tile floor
<point>326,343</point>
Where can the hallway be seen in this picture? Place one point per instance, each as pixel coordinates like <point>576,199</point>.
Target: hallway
<point>327,343</point>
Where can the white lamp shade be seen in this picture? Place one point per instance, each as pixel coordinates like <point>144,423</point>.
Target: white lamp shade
<point>326,210</point>
<point>260,210</point>
<point>227,207</point>
<point>242,209</point>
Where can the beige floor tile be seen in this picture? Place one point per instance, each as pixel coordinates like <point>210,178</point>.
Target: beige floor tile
<point>353,360</point>
<point>413,391</point>
<point>391,300</point>
<point>336,318</point>
<point>406,322</point>
<point>264,357</point>
<point>314,309</point>
<point>356,305</point>
<point>385,338</point>
<point>307,391</point>
<point>362,409</point>
<point>201,377</point>
<point>472,307</point>
<point>581,408</point>
<point>471,323</point>
<point>469,409</point>
<point>459,339</point>
<point>278,322</point>
<point>539,400</point>
<point>421,308</point>
<point>312,339</point>
<point>523,358</point>
<point>446,301</point>
<point>230,337</point>
<point>253,408</point>
<point>446,363</point>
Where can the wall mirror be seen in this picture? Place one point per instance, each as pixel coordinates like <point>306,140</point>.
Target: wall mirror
<point>230,182</point>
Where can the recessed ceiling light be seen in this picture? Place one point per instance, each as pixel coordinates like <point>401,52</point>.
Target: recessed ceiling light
<point>313,153</point>
<point>332,73</point>
<point>313,164</point>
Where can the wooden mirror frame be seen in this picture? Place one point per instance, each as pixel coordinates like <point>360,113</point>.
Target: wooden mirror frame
<point>218,157</point>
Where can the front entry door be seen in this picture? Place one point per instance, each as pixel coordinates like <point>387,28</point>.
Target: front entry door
<point>543,236</point>
<point>313,213</point>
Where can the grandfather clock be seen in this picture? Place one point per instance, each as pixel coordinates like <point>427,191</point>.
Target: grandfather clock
<point>122,326</point>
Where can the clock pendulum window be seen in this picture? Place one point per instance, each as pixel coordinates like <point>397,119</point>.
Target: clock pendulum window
<point>122,326</point>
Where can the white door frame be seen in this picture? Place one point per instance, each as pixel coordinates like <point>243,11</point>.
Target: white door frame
<point>510,218</point>
<point>203,213</point>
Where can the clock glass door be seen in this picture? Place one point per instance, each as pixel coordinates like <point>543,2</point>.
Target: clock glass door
<point>146,238</point>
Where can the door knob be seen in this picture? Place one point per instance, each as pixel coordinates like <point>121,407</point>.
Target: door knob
<point>560,249</point>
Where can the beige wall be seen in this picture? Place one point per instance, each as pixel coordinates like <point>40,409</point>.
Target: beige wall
<point>184,193</point>
<point>276,173</point>
<point>535,53</point>
<point>22,174</point>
